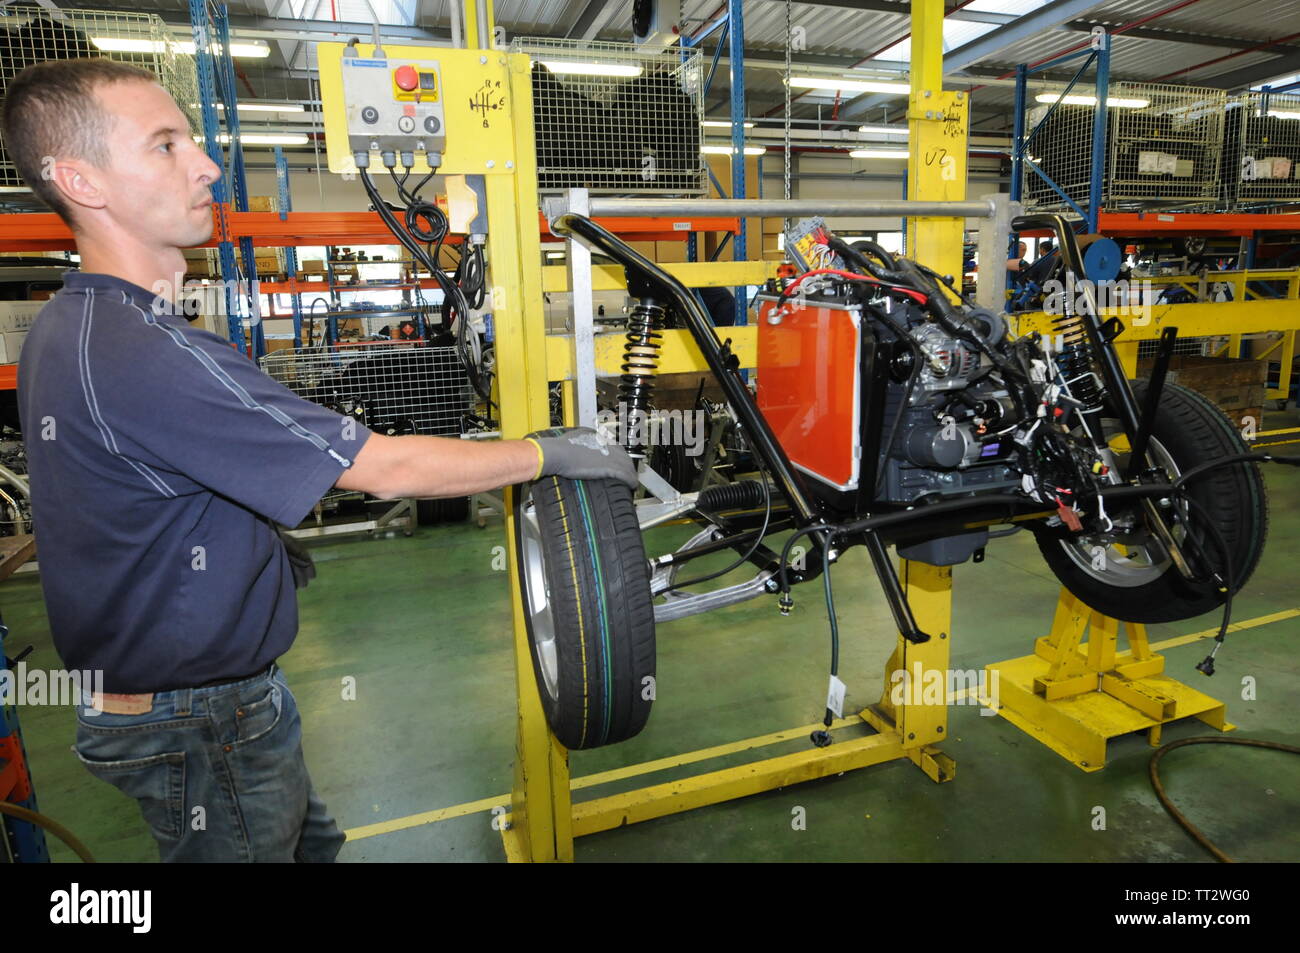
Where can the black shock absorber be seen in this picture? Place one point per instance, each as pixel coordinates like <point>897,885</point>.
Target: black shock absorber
<point>1075,361</point>
<point>640,364</point>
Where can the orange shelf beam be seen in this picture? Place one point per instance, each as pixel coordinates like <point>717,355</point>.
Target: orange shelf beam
<point>45,231</point>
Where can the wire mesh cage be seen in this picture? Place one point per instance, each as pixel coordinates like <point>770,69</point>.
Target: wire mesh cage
<point>1166,152</point>
<point>1262,149</point>
<point>613,117</point>
<point>390,386</point>
<point>33,34</point>
<point>1059,142</point>
<point>1163,148</point>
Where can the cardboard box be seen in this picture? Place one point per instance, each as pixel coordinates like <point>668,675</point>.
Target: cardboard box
<point>262,203</point>
<point>670,251</point>
<point>312,266</point>
<point>1234,385</point>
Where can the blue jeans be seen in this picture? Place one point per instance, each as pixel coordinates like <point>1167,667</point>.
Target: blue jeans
<point>218,772</point>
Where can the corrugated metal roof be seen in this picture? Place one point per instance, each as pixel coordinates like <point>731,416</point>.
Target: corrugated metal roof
<point>1248,19</point>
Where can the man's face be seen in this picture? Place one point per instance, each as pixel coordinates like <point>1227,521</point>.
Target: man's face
<point>158,181</point>
<point>1021,248</point>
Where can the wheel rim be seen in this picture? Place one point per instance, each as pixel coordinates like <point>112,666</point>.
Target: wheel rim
<point>1129,562</point>
<point>537,600</point>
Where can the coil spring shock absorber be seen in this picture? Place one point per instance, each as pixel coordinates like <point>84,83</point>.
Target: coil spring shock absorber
<point>640,364</point>
<point>1076,363</point>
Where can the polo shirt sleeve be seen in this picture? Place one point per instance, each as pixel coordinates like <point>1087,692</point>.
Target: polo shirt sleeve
<point>186,399</point>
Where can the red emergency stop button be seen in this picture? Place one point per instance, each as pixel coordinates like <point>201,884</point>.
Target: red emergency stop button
<point>406,78</point>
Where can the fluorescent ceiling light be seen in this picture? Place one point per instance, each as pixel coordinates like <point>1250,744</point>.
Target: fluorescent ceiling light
<point>850,85</point>
<point>1075,100</point>
<point>264,139</point>
<point>574,68</point>
<point>266,107</point>
<point>1283,114</point>
<point>884,130</point>
<point>878,154</point>
<point>727,150</point>
<point>118,44</point>
<point>261,107</point>
<point>723,124</point>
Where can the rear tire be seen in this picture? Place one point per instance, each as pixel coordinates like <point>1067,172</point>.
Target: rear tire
<point>1191,430</point>
<point>590,617</point>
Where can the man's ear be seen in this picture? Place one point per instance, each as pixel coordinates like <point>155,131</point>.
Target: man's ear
<point>79,183</point>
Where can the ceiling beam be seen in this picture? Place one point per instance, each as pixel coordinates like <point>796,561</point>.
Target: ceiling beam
<point>590,20</point>
<point>1253,75</point>
<point>904,9</point>
<point>1172,36</point>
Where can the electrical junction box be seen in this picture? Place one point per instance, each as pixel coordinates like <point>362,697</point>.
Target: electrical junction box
<point>394,105</point>
<point>467,96</point>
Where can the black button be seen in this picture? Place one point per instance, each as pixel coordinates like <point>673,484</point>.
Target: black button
<point>431,124</point>
<point>370,115</point>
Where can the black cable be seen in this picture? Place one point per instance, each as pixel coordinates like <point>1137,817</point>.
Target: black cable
<point>830,614</point>
<point>1154,772</point>
<point>767,516</point>
<point>417,215</point>
<point>1225,575</point>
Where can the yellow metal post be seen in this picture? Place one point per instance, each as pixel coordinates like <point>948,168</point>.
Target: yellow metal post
<point>937,123</point>
<point>914,703</point>
<point>541,829</point>
<point>937,126</point>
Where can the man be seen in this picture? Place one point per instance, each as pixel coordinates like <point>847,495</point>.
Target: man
<point>1016,263</point>
<point>160,458</point>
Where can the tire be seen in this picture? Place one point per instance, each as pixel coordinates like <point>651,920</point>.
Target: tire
<point>590,617</point>
<point>1188,430</point>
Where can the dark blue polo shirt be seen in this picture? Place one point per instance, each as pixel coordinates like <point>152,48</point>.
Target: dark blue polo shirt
<point>157,455</point>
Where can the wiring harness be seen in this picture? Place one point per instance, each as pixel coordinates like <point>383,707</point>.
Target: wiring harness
<point>422,231</point>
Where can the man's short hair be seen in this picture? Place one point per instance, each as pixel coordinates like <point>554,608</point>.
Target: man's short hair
<point>50,110</point>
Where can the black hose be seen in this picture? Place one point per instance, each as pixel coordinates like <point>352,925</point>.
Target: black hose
<point>1153,769</point>
<point>49,824</point>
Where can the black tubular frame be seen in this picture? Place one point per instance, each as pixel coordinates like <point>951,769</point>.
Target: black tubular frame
<point>1112,372</point>
<point>757,430</point>
<point>809,516</point>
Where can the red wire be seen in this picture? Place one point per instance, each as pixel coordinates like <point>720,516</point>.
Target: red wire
<point>914,295</point>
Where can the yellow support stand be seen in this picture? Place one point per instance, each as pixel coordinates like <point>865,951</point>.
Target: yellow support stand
<point>920,726</point>
<point>1074,695</point>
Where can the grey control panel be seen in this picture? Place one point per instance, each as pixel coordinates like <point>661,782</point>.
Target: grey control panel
<point>394,105</point>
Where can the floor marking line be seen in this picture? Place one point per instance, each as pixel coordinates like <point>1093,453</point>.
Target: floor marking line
<point>717,751</point>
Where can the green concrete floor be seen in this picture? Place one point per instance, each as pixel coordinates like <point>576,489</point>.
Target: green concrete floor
<point>423,625</point>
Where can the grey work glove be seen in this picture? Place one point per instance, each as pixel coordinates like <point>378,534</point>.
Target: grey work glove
<point>578,453</point>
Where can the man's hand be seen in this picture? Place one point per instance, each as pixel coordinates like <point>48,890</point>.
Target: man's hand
<point>578,453</point>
